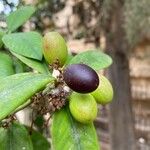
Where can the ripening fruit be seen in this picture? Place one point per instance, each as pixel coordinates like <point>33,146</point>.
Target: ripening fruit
<point>54,47</point>
<point>81,78</point>
<point>83,107</point>
<point>104,93</point>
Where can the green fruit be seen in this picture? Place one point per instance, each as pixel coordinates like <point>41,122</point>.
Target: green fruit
<point>83,107</point>
<point>104,93</point>
<point>54,47</point>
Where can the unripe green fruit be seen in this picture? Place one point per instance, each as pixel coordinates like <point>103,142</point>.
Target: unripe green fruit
<point>54,47</point>
<point>104,93</point>
<point>83,107</point>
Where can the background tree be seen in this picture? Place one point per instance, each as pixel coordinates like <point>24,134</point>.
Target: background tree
<point>121,117</point>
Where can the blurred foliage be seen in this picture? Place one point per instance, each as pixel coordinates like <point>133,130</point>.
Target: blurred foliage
<point>86,22</point>
<point>137,20</point>
<point>89,24</point>
<point>91,17</point>
<point>106,8</point>
<point>9,5</point>
<point>44,14</point>
<point>43,17</point>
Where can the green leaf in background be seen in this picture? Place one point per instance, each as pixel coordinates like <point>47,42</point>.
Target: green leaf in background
<point>34,64</point>
<point>68,134</point>
<point>15,137</point>
<point>39,141</point>
<point>28,44</point>
<point>17,89</point>
<point>39,122</point>
<point>6,65</point>
<point>3,138</point>
<point>19,17</point>
<point>18,66</point>
<point>2,33</point>
<point>95,59</point>
<point>69,58</point>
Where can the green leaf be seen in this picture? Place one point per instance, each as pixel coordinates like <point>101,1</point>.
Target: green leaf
<point>18,66</point>
<point>69,58</point>
<point>17,89</point>
<point>2,33</point>
<point>34,64</point>
<point>70,134</point>
<point>28,44</point>
<point>39,142</point>
<point>15,137</point>
<point>3,138</point>
<point>39,122</point>
<point>19,17</point>
<point>6,65</point>
<point>95,59</point>
<point>22,106</point>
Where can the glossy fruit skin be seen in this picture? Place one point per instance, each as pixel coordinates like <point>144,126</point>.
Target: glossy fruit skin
<point>81,78</point>
<point>104,93</point>
<point>83,107</point>
<point>54,47</point>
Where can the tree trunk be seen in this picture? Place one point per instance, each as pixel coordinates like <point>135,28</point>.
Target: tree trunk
<point>121,116</point>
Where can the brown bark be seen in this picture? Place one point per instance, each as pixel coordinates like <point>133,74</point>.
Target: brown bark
<point>121,117</point>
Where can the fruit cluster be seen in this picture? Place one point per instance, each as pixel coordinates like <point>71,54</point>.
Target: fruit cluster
<point>87,88</point>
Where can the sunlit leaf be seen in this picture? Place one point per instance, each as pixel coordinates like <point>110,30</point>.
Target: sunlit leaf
<point>67,133</point>
<point>95,59</point>
<point>19,17</point>
<point>28,44</point>
<point>17,89</point>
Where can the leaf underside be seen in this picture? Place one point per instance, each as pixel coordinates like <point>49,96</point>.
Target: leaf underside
<point>39,142</point>
<point>34,64</point>
<point>6,65</point>
<point>68,134</point>
<point>15,137</point>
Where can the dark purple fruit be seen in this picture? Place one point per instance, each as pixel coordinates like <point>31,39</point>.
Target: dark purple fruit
<point>81,78</point>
